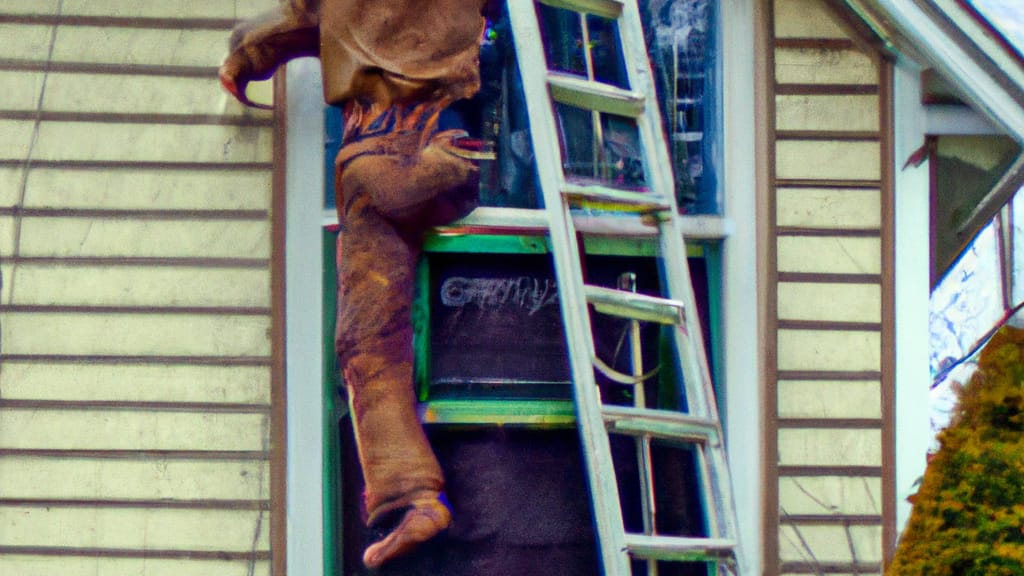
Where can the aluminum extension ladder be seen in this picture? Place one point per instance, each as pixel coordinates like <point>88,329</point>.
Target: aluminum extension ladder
<point>697,428</point>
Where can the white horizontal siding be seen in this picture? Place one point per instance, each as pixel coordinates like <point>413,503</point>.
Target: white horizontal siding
<point>28,477</point>
<point>24,565</point>
<point>39,428</point>
<point>110,505</point>
<point>176,383</point>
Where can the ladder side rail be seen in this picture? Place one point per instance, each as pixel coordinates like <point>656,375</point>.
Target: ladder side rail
<point>689,344</point>
<point>569,274</point>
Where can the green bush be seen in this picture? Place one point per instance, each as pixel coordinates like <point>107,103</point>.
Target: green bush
<point>968,516</point>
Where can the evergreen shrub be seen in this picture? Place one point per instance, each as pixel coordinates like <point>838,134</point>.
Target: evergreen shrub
<point>968,516</point>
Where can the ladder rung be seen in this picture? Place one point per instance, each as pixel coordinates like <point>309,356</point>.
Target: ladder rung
<point>610,9</point>
<point>634,306</point>
<point>582,93</point>
<point>658,423</point>
<point>679,549</point>
<point>614,198</point>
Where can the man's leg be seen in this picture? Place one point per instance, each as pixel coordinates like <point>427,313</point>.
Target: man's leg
<point>376,283</point>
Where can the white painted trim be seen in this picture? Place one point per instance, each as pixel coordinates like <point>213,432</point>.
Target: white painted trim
<point>912,270</point>
<point>951,120</point>
<point>983,38</point>
<point>304,311</point>
<point>983,92</point>
<point>700,227</point>
<point>742,375</point>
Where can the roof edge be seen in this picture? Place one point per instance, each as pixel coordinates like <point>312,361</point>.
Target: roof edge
<point>947,48</point>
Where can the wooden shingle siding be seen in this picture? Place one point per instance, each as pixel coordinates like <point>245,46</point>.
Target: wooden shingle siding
<point>828,399</point>
<point>124,237</point>
<point>806,19</point>
<point>127,528</point>
<point>27,565</point>
<point>249,385</point>
<point>165,9</point>
<point>830,495</point>
<point>848,113</point>
<point>27,477</point>
<point>824,208</point>
<point>829,254</point>
<point>827,160</point>
<point>140,189</point>
<point>829,233</point>
<point>135,142</point>
<point>45,284</point>
<point>816,301</point>
<point>135,302</point>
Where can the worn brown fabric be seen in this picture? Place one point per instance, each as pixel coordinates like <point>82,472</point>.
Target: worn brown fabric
<point>394,65</point>
<point>376,49</point>
<point>395,178</point>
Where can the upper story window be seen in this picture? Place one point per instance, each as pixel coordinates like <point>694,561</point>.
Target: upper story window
<point>681,42</point>
<point>681,45</point>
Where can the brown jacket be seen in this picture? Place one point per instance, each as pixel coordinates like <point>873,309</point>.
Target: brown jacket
<point>385,50</point>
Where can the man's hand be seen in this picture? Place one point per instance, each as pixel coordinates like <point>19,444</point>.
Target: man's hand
<point>234,76</point>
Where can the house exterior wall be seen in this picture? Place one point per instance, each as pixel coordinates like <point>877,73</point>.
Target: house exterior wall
<point>828,497</point>
<point>135,308</point>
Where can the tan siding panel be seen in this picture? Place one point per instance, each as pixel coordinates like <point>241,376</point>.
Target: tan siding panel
<point>149,189</point>
<point>135,383</point>
<point>817,66</point>
<point>20,90</point>
<point>72,566</point>
<point>5,275</point>
<point>130,430</point>
<point>203,530</point>
<point>74,237</point>
<point>17,136</point>
<point>829,255</point>
<point>134,8</point>
<point>824,350</point>
<point>146,46</point>
<point>142,286</point>
<point>831,544</point>
<point>826,113</point>
<point>134,334</point>
<point>859,573</point>
<point>828,208</point>
<point>87,141</point>
<point>829,399</point>
<point>10,186</point>
<point>830,447</point>
<point>827,160</point>
<point>150,479</point>
<point>830,302</point>
<point>24,42</point>
<point>29,6</point>
<point>7,230</point>
<point>828,495</point>
<point>806,19</point>
<point>123,94</point>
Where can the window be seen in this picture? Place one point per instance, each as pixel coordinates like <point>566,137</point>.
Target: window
<point>488,331</point>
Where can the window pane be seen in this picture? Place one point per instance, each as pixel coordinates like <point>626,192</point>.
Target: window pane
<point>681,45</point>
<point>609,154</point>
<point>965,305</point>
<point>562,32</point>
<point>606,51</point>
<point>571,39</point>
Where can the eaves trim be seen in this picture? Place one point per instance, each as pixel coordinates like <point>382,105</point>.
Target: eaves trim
<point>984,92</point>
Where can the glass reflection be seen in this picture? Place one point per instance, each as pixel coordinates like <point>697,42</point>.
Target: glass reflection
<point>600,148</point>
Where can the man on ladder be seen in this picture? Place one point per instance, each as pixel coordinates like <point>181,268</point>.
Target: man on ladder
<point>394,65</point>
